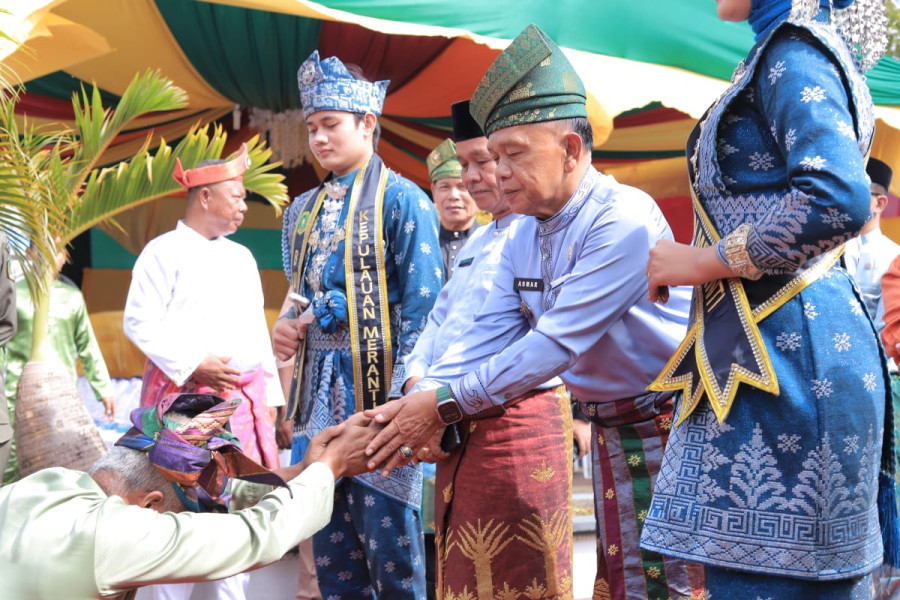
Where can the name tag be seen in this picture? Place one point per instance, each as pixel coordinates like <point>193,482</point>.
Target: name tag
<point>466,262</point>
<point>521,284</point>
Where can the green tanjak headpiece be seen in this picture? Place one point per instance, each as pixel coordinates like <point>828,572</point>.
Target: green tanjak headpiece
<point>442,161</point>
<point>530,82</point>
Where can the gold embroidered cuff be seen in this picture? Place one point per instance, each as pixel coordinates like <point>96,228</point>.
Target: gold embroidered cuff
<point>737,256</point>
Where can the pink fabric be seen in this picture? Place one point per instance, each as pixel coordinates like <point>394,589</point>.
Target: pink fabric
<point>250,422</point>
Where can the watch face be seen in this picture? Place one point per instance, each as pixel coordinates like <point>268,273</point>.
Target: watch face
<point>449,411</point>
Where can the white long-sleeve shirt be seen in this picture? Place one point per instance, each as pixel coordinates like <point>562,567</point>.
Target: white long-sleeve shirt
<point>190,297</point>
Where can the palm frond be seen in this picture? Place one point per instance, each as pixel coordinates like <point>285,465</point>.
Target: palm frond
<point>148,176</point>
<point>96,126</point>
<point>27,216</point>
<point>259,178</point>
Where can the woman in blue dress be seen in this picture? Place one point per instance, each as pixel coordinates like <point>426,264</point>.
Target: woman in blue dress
<point>771,475</point>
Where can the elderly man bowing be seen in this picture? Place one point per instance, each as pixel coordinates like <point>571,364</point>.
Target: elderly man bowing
<point>570,299</point>
<point>131,521</point>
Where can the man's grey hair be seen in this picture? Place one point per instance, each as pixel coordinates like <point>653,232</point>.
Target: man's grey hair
<point>580,126</point>
<point>131,471</point>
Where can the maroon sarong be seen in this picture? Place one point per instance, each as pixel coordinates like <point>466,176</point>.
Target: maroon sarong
<point>503,503</point>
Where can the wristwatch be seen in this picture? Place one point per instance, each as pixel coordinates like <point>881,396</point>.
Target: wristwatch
<point>447,407</point>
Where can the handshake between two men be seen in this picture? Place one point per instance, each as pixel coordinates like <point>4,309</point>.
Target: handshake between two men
<point>394,434</point>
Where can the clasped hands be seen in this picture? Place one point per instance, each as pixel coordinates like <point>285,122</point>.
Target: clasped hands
<point>402,431</point>
<point>405,430</point>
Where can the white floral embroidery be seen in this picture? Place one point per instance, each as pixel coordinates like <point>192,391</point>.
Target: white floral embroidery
<point>412,268</point>
<point>425,291</point>
<point>402,541</point>
<point>726,149</point>
<point>855,306</point>
<point>836,218</point>
<point>787,341</point>
<point>822,389</point>
<point>423,204</point>
<point>335,597</point>
<point>347,517</point>
<point>395,214</point>
<point>350,500</point>
<point>776,72</point>
<point>425,247</point>
<point>406,583</point>
<point>369,500</point>
<point>356,554</point>
<point>774,131</point>
<point>437,273</point>
<point>373,544</point>
<point>362,538</point>
<point>389,566</point>
<point>809,310</point>
<point>789,442</point>
<point>398,258</point>
<point>417,560</point>
<point>345,575</point>
<point>841,342</point>
<point>813,164</point>
<point>386,522</point>
<point>409,226</point>
<point>337,536</point>
<point>762,162</point>
<point>851,444</point>
<point>816,94</point>
<point>323,561</point>
<point>790,138</point>
<point>846,129</point>
<point>870,382</point>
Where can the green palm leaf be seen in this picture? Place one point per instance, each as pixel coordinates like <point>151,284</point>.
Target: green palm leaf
<point>28,160</point>
<point>96,126</point>
<point>148,176</point>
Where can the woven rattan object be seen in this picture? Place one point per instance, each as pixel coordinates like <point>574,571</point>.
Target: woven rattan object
<point>52,426</point>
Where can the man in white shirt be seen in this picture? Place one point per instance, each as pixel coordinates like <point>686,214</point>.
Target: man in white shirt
<point>195,309</point>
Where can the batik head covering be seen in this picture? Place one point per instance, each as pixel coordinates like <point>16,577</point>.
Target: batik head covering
<point>209,174</point>
<point>464,125</point>
<point>442,162</point>
<point>530,82</point>
<point>186,438</point>
<point>328,85</point>
<point>879,173</point>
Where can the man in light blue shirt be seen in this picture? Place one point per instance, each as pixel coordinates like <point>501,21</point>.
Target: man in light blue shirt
<point>570,298</point>
<point>492,443</point>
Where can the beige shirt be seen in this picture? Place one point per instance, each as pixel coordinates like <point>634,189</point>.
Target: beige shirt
<point>61,536</point>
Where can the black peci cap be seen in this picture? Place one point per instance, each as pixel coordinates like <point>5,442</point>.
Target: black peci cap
<point>879,173</point>
<point>464,125</point>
